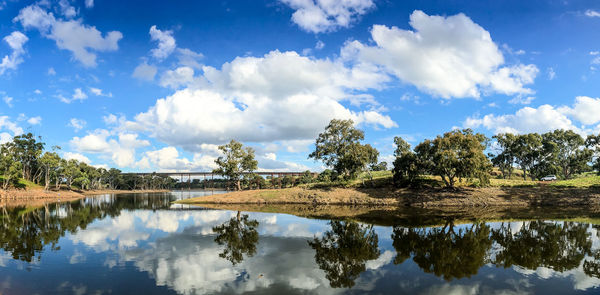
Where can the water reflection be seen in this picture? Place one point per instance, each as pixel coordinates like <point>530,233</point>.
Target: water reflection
<point>343,251</point>
<point>444,251</point>
<point>141,243</point>
<point>239,235</point>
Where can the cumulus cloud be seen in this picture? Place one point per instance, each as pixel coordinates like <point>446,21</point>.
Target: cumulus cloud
<point>120,148</point>
<point>99,92</point>
<point>444,56</point>
<point>81,40</point>
<point>321,16</point>
<point>585,111</point>
<point>592,13</point>
<point>166,43</point>
<point>15,41</point>
<point>6,126</point>
<point>8,100</point>
<point>145,72</point>
<point>259,99</point>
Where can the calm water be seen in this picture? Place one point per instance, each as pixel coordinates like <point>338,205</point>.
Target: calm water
<point>140,244</point>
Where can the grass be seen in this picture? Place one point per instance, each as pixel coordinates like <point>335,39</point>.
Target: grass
<point>585,181</point>
<point>25,184</point>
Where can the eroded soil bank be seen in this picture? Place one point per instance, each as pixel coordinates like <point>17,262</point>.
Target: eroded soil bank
<point>425,198</point>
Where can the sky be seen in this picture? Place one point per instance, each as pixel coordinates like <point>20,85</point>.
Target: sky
<point>157,86</point>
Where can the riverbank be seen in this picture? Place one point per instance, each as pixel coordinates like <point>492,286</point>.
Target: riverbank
<point>34,197</point>
<point>422,198</point>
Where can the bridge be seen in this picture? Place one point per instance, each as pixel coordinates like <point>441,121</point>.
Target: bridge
<point>205,175</point>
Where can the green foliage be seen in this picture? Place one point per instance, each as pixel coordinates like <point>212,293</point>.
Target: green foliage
<point>10,167</point>
<point>237,160</point>
<point>406,166</point>
<point>456,154</point>
<point>382,166</point>
<point>339,148</point>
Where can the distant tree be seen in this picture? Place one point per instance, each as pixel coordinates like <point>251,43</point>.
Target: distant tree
<point>505,158</point>
<point>406,166</point>
<point>326,176</point>
<point>382,166</point>
<point>456,154</point>
<point>307,177</point>
<point>528,148</point>
<point>71,171</point>
<point>339,148</point>
<point>235,162</point>
<point>592,142</point>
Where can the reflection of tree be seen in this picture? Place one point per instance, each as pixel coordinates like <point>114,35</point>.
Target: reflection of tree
<point>239,235</point>
<point>343,251</point>
<point>24,232</point>
<point>444,251</point>
<point>559,246</point>
<point>592,267</point>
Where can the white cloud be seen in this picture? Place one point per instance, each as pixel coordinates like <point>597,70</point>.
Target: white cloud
<point>78,94</point>
<point>15,41</point>
<point>321,16</point>
<point>259,99</point>
<point>592,13</point>
<point>98,92</point>
<point>120,149</point>
<point>8,100</point>
<point>551,73</point>
<point>76,156</point>
<point>586,110</point>
<point>166,43</point>
<point>6,124</point>
<point>51,72</point>
<point>35,120</point>
<point>72,35</point>
<point>77,124</point>
<point>320,45</point>
<point>89,3</point>
<point>189,58</point>
<point>144,71</point>
<point>67,9</point>
<point>521,99</point>
<point>37,91</point>
<point>445,56</point>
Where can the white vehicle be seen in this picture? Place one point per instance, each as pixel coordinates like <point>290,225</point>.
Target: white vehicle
<point>549,178</point>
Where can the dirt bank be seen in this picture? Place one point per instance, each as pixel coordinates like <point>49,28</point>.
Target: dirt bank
<point>425,198</point>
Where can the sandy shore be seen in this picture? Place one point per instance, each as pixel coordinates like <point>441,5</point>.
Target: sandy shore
<point>424,198</point>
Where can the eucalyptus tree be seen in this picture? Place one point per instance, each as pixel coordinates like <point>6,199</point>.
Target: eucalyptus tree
<point>592,142</point>
<point>50,162</point>
<point>456,154</point>
<point>27,151</point>
<point>10,168</point>
<point>339,147</point>
<point>568,151</point>
<point>239,235</point>
<point>505,158</point>
<point>406,166</point>
<point>236,161</point>
<point>528,148</point>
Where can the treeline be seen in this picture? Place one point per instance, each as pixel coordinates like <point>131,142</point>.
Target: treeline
<point>460,154</point>
<point>25,158</point>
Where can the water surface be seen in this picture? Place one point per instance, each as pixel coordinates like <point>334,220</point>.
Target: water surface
<point>142,244</point>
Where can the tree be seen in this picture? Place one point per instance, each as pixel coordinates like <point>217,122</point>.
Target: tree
<point>456,154</point>
<point>71,171</point>
<point>343,251</point>
<point>339,148</point>
<point>10,168</point>
<point>505,159</point>
<point>406,166</point>
<point>382,166</point>
<point>236,161</point>
<point>239,235</point>
<point>50,161</point>
<point>528,148</point>
<point>27,151</point>
<point>567,151</point>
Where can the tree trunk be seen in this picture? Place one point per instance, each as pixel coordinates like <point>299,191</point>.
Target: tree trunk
<point>239,185</point>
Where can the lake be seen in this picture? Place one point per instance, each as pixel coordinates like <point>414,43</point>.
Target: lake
<point>143,244</point>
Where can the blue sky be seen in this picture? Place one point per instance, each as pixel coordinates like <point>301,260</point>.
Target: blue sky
<point>156,86</point>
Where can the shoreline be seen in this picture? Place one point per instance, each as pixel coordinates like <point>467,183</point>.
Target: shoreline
<point>518,197</point>
<point>38,196</point>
